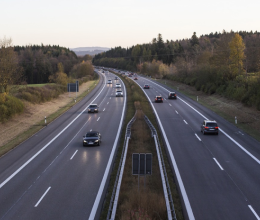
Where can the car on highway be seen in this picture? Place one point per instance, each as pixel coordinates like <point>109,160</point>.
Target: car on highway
<point>118,85</point>
<point>135,78</point>
<point>109,81</point>
<point>92,108</point>
<point>116,78</point>
<point>146,86</point>
<point>158,99</point>
<point>119,93</point>
<point>172,95</point>
<point>92,138</point>
<point>209,126</point>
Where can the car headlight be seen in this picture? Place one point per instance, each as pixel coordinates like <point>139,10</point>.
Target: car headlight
<point>96,140</point>
<point>96,109</point>
<point>84,141</point>
<point>89,109</point>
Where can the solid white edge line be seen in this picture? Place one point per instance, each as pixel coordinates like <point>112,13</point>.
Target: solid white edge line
<point>177,172</point>
<point>218,163</point>
<point>105,176</point>
<point>74,154</point>
<point>45,146</point>
<point>242,148</point>
<point>42,197</point>
<point>197,137</point>
<point>252,210</point>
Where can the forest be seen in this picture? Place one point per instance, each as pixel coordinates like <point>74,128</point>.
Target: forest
<point>226,63</point>
<point>50,67</point>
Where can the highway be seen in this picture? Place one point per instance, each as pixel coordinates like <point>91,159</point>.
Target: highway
<point>51,175</point>
<point>218,175</point>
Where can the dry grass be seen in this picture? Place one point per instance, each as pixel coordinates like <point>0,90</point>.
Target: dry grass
<point>148,202</point>
<point>33,117</point>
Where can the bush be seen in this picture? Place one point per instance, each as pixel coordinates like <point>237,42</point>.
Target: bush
<point>11,107</point>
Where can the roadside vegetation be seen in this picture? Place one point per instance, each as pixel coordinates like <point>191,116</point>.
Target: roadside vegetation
<point>132,206</point>
<point>227,63</point>
<point>37,74</point>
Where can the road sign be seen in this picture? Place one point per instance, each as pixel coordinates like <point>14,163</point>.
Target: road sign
<point>142,164</point>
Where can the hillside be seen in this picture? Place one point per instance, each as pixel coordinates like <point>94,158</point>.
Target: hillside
<point>81,51</point>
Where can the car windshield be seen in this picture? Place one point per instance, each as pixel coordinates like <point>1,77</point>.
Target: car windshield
<point>91,135</point>
<point>93,106</point>
<point>118,91</point>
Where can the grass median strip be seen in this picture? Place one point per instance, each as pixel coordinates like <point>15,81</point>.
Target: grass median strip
<point>132,205</point>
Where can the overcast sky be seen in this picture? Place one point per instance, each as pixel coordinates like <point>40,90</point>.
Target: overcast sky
<point>110,23</point>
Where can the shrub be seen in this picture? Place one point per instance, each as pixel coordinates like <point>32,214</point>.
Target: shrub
<point>11,107</point>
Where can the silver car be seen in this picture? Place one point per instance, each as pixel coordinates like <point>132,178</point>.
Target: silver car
<point>119,93</point>
<point>118,85</point>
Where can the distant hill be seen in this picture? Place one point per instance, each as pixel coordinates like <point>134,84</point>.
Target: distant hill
<point>81,51</point>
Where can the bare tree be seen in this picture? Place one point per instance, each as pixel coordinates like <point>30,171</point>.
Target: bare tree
<point>9,68</point>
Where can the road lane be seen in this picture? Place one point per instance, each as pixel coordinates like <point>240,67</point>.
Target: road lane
<point>75,182</point>
<point>212,195</point>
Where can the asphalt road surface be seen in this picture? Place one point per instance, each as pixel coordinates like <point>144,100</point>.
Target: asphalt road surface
<point>51,175</point>
<point>218,175</point>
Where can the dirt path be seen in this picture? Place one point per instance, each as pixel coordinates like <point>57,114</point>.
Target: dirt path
<point>33,114</point>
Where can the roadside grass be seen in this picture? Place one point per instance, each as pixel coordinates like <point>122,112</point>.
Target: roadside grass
<point>41,124</point>
<point>134,95</point>
<point>203,99</point>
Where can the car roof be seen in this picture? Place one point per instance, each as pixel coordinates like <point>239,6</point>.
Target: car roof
<point>172,92</point>
<point>210,121</point>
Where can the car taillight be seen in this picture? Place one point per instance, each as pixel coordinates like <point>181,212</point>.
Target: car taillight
<point>162,98</point>
<point>155,98</point>
<point>216,127</point>
<point>206,127</point>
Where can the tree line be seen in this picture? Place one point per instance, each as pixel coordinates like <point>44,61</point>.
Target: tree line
<point>226,63</point>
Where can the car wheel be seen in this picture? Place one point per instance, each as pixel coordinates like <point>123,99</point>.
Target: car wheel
<point>203,132</point>
<point>83,144</point>
<point>217,133</point>
<point>98,144</point>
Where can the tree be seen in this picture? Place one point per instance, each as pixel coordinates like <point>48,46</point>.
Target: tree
<point>237,55</point>
<point>194,39</point>
<point>9,69</point>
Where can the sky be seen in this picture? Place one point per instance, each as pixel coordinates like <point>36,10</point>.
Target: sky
<point>112,23</point>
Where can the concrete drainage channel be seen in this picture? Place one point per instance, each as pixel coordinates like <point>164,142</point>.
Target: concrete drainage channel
<point>166,188</point>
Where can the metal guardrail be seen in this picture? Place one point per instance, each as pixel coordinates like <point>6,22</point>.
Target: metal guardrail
<point>114,198</point>
<point>167,190</point>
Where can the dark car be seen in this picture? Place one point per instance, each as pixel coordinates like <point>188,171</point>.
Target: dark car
<point>93,108</point>
<point>146,86</point>
<point>92,138</point>
<point>116,78</point>
<point>158,99</point>
<point>209,126</point>
<point>135,78</point>
<point>172,95</point>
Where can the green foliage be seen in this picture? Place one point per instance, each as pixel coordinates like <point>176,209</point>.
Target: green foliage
<point>10,107</point>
